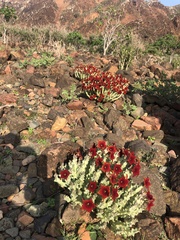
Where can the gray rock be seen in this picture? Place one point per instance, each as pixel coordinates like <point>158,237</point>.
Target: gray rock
<point>160,157</point>
<point>13,214</point>
<point>37,80</point>
<point>25,234</point>
<point>158,135</point>
<point>113,138</point>
<point>138,112</point>
<point>28,160</point>
<point>138,99</point>
<point>7,190</point>
<point>139,147</point>
<point>111,117</point>
<point>12,138</point>
<point>87,122</point>
<point>1,237</point>
<point>32,170</point>
<point>48,101</point>
<point>13,232</point>
<point>16,123</point>
<point>6,223</point>
<point>33,124</point>
<point>41,223</point>
<point>37,210</point>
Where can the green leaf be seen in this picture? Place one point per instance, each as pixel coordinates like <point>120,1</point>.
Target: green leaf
<point>93,235</point>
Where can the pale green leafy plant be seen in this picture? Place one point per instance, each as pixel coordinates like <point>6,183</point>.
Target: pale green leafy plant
<point>69,94</point>
<point>102,183</point>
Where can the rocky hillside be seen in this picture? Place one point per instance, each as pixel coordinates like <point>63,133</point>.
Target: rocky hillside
<point>148,20</point>
<point>44,120</point>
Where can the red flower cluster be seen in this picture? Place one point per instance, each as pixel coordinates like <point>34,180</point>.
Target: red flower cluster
<point>112,170</point>
<point>100,85</point>
<point>149,196</point>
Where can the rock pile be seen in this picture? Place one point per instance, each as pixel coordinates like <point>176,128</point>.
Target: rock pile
<point>39,131</point>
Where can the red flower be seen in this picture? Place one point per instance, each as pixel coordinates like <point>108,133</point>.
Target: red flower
<point>136,170</point>
<point>123,182</point>
<point>125,151</point>
<point>64,174</point>
<point>88,205</point>
<point>104,191</point>
<point>93,150</point>
<point>106,167</point>
<point>112,149</point>
<point>98,161</point>
<point>150,205</point>
<point>101,144</point>
<point>114,193</point>
<point>113,179</point>
<point>92,186</point>
<point>149,196</point>
<point>117,169</point>
<point>111,156</point>
<point>147,183</point>
<point>131,158</point>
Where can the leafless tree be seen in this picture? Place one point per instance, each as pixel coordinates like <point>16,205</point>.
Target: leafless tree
<point>112,26</point>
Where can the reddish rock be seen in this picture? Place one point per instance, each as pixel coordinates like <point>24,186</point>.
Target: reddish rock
<point>75,105</point>
<point>53,228</point>
<point>153,121</point>
<point>7,70</point>
<point>25,219</point>
<point>105,61</point>
<point>30,69</point>
<point>7,98</point>
<point>4,55</point>
<point>49,159</point>
<point>141,125</point>
<point>83,233</point>
<point>52,91</point>
<point>172,225</point>
<point>113,69</point>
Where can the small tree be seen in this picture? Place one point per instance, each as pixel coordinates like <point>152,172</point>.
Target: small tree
<point>111,28</point>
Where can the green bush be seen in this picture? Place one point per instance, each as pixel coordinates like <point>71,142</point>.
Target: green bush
<point>164,45</point>
<point>75,39</point>
<point>8,13</point>
<point>163,88</point>
<point>95,44</point>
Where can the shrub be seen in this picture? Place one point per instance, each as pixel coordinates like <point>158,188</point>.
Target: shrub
<point>8,13</point>
<point>101,86</point>
<point>102,183</point>
<point>95,44</point>
<point>45,60</point>
<point>163,88</point>
<point>75,38</point>
<point>164,45</point>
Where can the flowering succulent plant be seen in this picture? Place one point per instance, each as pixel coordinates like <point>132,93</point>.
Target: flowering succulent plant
<point>101,86</point>
<point>102,182</point>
